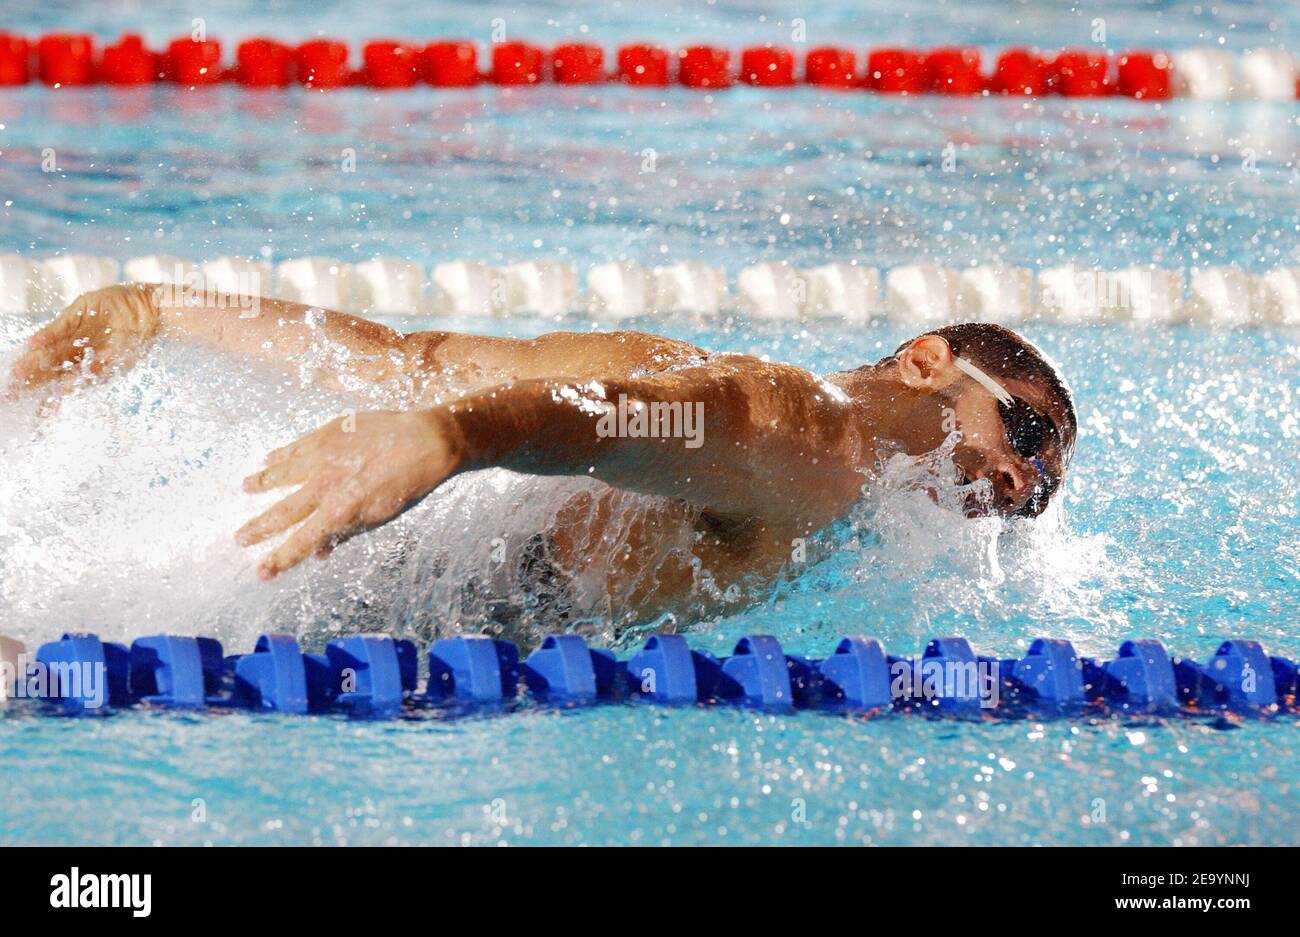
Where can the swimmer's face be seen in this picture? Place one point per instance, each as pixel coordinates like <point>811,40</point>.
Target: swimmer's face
<point>1020,448</point>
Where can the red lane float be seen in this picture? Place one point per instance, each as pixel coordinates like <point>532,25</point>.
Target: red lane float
<point>322,63</point>
<point>1021,71</point>
<point>644,66</point>
<point>263,63</point>
<point>128,62</point>
<point>191,62</point>
<point>1082,73</point>
<point>767,67</point>
<point>1146,75</point>
<point>387,64</point>
<point>704,67</point>
<point>831,68</point>
<point>66,60</point>
<point>449,64</point>
<point>516,63</point>
<point>15,60</point>
<point>576,63</point>
<point>897,71</point>
<point>955,70</point>
<point>70,59</point>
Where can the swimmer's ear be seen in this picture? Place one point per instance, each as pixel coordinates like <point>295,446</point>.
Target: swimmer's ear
<point>926,364</point>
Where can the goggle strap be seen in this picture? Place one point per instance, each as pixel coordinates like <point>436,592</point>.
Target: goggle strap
<point>992,386</point>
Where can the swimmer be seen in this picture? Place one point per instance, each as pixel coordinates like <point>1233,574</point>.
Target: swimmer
<point>751,455</point>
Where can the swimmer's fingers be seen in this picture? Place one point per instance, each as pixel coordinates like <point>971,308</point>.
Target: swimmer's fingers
<point>41,365</point>
<point>294,449</point>
<point>65,327</point>
<point>305,444</point>
<point>56,349</point>
<point>296,507</point>
<point>328,525</point>
<point>293,471</point>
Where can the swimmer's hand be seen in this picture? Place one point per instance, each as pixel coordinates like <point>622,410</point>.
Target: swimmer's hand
<point>108,328</point>
<point>355,473</point>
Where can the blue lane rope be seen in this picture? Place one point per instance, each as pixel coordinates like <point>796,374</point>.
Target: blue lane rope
<point>374,675</point>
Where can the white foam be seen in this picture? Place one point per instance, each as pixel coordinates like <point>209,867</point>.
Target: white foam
<point>996,294</point>
<point>690,287</point>
<point>771,291</point>
<point>545,287</point>
<point>619,290</point>
<point>922,294</point>
<point>388,286</point>
<point>847,290</point>
<point>316,281</point>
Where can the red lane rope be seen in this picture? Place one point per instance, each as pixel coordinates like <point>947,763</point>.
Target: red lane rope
<point>69,59</point>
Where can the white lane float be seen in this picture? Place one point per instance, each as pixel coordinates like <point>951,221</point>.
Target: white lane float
<point>1223,296</point>
<point>17,276</point>
<point>469,288</point>
<point>771,291</point>
<point>238,276</point>
<point>388,286</point>
<point>922,294</point>
<point>692,287</point>
<point>158,268</point>
<point>1073,294</point>
<point>544,287</point>
<point>1279,296</point>
<point>619,290</point>
<point>1206,74</point>
<point>59,280</point>
<point>1147,295</point>
<point>11,654</point>
<point>996,294</point>
<point>315,281</point>
<point>1268,75</point>
<point>846,290</point>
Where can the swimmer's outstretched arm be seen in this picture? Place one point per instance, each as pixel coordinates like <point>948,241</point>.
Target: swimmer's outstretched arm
<point>765,443</point>
<point>112,327</point>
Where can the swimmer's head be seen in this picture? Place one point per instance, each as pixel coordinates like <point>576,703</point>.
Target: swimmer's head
<point>1010,405</point>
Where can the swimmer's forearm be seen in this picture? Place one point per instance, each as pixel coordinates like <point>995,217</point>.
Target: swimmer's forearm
<point>547,427</point>
<point>711,453</point>
<point>274,329</point>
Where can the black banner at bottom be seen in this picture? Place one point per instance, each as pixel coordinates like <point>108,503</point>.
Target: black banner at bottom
<point>143,887</point>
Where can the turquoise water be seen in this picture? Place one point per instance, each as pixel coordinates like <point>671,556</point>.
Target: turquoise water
<point>1181,522</point>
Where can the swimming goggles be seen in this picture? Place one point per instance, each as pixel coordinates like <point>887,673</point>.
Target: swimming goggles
<point>1025,427</point>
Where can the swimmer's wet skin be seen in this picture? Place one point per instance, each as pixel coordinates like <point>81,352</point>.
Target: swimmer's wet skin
<point>781,452</point>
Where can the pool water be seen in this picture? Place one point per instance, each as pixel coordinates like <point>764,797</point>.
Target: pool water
<point>1181,521</point>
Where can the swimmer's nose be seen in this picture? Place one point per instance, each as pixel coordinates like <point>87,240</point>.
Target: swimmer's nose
<point>1012,485</point>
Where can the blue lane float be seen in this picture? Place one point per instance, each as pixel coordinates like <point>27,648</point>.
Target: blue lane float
<point>472,669</point>
<point>375,675</point>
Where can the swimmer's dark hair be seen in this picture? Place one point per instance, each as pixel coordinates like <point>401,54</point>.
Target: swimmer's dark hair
<point>1002,353</point>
